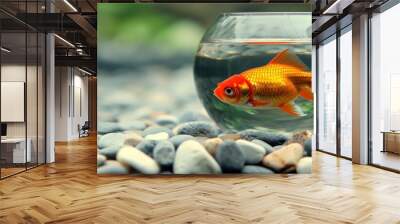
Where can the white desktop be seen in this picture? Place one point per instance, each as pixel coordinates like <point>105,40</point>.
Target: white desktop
<point>12,104</point>
<point>18,148</point>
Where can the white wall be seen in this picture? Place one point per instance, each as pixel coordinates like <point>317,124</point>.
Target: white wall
<point>71,93</point>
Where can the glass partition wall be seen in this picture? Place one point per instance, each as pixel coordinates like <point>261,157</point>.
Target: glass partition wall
<point>334,85</point>
<point>327,96</point>
<point>22,77</point>
<point>385,90</point>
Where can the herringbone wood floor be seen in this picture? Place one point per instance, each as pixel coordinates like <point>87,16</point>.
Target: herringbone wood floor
<point>69,191</point>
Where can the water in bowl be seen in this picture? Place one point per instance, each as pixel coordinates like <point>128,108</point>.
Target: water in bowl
<point>216,61</point>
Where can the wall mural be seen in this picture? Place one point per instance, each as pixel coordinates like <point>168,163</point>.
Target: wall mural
<point>204,89</point>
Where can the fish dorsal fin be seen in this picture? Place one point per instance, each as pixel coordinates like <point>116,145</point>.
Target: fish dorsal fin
<point>287,57</point>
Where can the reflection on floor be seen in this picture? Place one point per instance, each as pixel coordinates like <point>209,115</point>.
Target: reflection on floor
<point>10,169</point>
<point>386,159</point>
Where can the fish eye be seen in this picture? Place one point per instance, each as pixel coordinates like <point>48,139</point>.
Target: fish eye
<point>229,91</point>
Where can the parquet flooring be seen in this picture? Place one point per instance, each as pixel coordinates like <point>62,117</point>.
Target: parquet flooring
<point>69,191</point>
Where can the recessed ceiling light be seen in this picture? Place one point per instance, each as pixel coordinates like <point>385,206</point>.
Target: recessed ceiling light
<point>84,71</point>
<point>64,40</point>
<point>70,5</point>
<point>5,50</point>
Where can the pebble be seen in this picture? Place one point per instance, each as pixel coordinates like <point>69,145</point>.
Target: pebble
<point>133,125</point>
<point>285,157</point>
<point>253,169</point>
<point>108,127</point>
<point>166,120</point>
<point>304,165</point>
<point>277,147</point>
<point>308,147</point>
<point>272,139</point>
<point>253,153</point>
<point>197,128</point>
<point>230,157</point>
<point>111,139</point>
<point>179,139</point>
<point>266,146</point>
<point>300,137</point>
<point>157,129</point>
<point>101,160</point>
<point>132,139</point>
<point>229,136</point>
<point>164,153</point>
<point>192,158</point>
<point>112,167</point>
<point>147,146</point>
<point>192,116</point>
<point>137,160</point>
<point>212,145</point>
<point>110,151</point>
<point>157,137</point>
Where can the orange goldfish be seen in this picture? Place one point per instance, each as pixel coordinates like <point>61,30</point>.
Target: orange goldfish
<point>276,84</point>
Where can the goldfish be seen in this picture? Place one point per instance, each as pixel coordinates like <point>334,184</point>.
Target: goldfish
<point>275,84</point>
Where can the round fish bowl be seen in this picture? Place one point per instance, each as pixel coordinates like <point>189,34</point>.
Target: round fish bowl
<point>253,70</point>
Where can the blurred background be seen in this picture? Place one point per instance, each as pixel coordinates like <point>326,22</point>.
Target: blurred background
<point>144,47</point>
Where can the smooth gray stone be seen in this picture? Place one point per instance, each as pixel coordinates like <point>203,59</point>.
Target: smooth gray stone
<point>166,120</point>
<point>164,153</point>
<point>147,146</point>
<point>308,147</point>
<point>277,147</point>
<point>108,127</point>
<point>266,146</point>
<point>197,128</point>
<point>192,158</point>
<point>192,116</point>
<point>112,167</point>
<point>230,157</point>
<point>253,169</point>
<point>101,159</point>
<point>137,160</point>
<point>272,139</point>
<point>110,151</point>
<point>253,153</point>
<point>111,139</point>
<point>132,125</point>
<point>179,139</point>
<point>156,130</point>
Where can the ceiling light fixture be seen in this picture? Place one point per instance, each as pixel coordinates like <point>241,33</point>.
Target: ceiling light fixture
<point>84,71</point>
<point>64,40</point>
<point>338,6</point>
<point>70,5</point>
<point>5,50</point>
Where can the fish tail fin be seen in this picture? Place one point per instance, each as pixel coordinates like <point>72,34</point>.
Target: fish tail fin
<point>306,93</point>
<point>292,109</point>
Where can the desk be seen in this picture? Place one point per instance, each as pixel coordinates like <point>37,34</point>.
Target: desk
<point>17,150</point>
<point>391,141</point>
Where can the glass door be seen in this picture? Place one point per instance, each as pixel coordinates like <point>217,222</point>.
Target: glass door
<point>14,153</point>
<point>345,92</point>
<point>327,96</point>
<point>385,90</point>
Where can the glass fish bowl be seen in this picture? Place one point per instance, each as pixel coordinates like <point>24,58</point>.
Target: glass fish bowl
<point>253,70</point>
